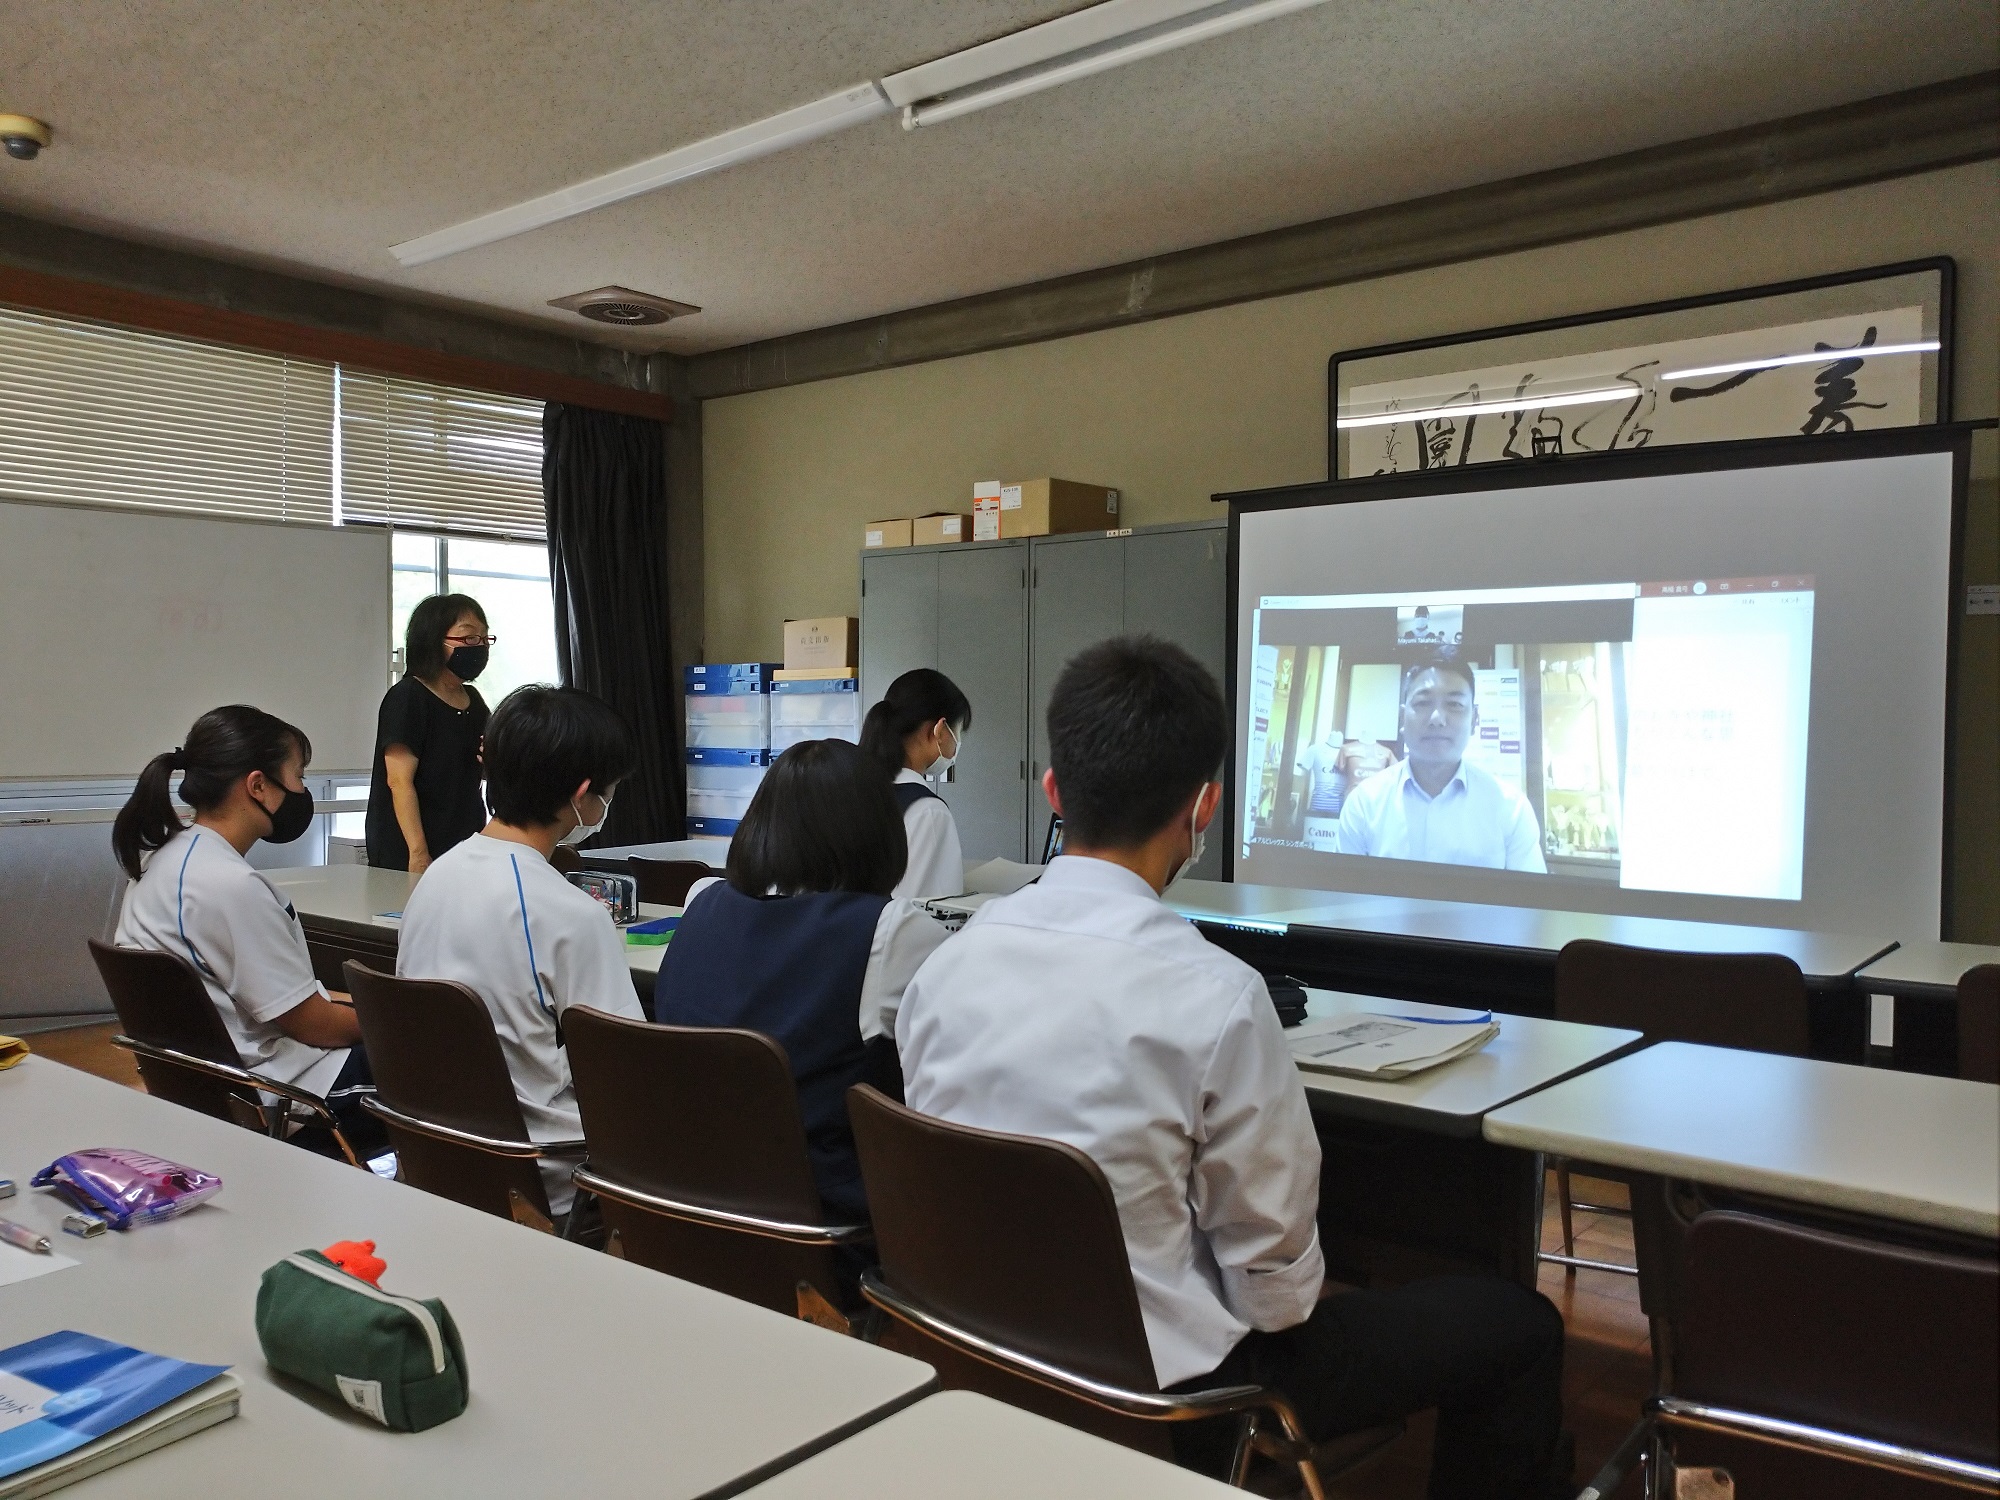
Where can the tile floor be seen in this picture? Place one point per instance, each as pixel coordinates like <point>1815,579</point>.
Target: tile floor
<point>1607,1367</point>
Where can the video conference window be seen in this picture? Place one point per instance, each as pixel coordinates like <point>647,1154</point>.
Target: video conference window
<point>1620,732</point>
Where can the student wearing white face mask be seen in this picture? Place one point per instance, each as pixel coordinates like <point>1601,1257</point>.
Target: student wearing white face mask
<point>495,915</point>
<point>918,732</point>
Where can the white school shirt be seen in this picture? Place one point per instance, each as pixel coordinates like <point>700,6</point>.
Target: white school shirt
<point>1082,1009</point>
<point>198,898</point>
<point>1476,820</point>
<point>495,916</point>
<point>937,862</point>
<point>905,935</point>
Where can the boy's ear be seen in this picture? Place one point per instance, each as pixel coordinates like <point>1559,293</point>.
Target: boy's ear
<point>1049,790</point>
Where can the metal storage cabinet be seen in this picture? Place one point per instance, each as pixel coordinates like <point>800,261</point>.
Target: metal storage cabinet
<point>963,610</point>
<point>1168,581</point>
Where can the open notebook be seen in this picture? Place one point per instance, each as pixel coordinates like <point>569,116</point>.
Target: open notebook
<point>72,1405</point>
<point>1385,1046</point>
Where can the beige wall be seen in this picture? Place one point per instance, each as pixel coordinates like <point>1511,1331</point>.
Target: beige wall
<point>1235,398</point>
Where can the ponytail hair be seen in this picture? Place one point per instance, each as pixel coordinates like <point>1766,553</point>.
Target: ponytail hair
<point>224,745</point>
<point>915,699</point>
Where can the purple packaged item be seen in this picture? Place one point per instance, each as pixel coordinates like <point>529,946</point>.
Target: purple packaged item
<point>127,1187</point>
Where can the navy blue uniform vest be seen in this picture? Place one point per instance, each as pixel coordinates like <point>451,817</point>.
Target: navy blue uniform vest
<point>909,793</point>
<point>790,967</point>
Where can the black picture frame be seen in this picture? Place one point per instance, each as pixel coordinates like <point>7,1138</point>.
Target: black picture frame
<point>1517,340</point>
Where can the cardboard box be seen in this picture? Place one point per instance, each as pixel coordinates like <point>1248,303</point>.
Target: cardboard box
<point>986,510</point>
<point>885,534</point>
<point>940,526</point>
<point>1045,507</point>
<point>826,641</point>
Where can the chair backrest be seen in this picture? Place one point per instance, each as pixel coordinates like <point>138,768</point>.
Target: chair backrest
<point>665,882</point>
<point>1752,1001</point>
<point>565,860</point>
<point>1007,1236</point>
<point>1979,1024</point>
<point>435,1056</point>
<point>161,1000</point>
<point>709,1117</point>
<point>1881,1341</point>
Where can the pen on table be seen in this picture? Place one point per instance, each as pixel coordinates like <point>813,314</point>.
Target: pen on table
<point>21,1235</point>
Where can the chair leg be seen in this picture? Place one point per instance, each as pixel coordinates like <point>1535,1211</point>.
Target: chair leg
<point>1563,1208</point>
<point>1246,1446</point>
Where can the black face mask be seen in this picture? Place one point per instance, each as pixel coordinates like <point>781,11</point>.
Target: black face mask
<point>293,817</point>
<point>467,662</point>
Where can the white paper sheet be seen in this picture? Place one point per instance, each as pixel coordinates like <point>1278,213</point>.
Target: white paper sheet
<point>17,1264</point>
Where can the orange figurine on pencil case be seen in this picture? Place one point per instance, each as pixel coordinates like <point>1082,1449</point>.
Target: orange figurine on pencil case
<point>358,1258</point>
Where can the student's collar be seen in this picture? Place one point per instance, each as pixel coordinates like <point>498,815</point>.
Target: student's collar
<point>1083,872</point>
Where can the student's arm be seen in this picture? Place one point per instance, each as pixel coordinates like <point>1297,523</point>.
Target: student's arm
<point>399,767</point>
<point>1255,1187</point>
<point>937,861</point>
<point>319,1022</point>
<point>905,935</point>
<point>586,964</point>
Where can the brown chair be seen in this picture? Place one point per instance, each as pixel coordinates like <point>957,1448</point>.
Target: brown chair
<point>698,1158</point>
<point>665,882</point>
<point>443,1093</point>
<point>1816,1363</point>
<point>1979,1024</point>
<point>565,860</point>
<point>1003,1265</point>
<point>185,1054</point>
<point>1755,1002</point>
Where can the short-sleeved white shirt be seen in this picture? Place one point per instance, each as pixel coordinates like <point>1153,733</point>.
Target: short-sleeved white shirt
<point>495,916</point>
<point>937,861</point>
<point>198,898</point>
<point>1476,820</point>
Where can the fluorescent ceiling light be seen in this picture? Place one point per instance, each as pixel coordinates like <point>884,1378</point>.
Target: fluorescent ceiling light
<point>1482,408</point>
<point>794,127</point>
<point>1817,357</point>
<point>1061,51</point>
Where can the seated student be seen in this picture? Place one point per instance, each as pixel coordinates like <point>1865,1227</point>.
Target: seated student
<point>803,942</point>
<point>908,731</point>
<point>493,914</point>
<point>1082,1009</point>
<point>194,894</point>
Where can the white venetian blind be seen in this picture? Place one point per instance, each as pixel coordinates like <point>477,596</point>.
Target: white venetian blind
<point>94,415</point>
<point>439,458</point>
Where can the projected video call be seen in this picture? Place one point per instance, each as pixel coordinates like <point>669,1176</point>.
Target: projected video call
<point>1621,732</point>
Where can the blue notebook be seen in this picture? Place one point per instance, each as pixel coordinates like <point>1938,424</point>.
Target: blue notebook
<point>71,1405</point>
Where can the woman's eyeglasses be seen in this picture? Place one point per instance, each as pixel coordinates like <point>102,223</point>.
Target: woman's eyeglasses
<point>470,640</point>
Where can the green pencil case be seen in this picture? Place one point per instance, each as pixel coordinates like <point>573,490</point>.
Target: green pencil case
<point>395,1359</point>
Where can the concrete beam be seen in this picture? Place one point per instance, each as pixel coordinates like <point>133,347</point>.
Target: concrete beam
<point>1920,130</point>
<point>125,265</point>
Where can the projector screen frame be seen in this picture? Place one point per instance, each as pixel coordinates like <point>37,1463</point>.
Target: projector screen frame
<point>1952,438</point>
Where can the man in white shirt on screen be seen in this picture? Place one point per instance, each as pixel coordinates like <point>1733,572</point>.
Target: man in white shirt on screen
<point>1434,804</point>
<point>1084,1009</point>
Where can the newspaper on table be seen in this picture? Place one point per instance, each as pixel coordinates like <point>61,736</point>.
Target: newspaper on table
<point>1382,1045</point>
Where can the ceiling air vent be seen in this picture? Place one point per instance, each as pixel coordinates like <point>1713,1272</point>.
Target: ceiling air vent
<point>622,307</point>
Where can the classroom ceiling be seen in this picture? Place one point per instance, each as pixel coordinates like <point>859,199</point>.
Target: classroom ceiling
<point>311,137</point>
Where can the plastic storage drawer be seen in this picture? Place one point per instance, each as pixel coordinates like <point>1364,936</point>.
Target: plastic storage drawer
<point>786,736</point>
<point>712,778</point>
<point>717,804</point>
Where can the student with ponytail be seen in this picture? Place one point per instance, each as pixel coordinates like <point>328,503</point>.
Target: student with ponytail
<point>194,894</point>
<point>921,718</point>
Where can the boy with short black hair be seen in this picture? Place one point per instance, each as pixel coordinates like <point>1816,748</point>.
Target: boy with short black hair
<point>1083,1009</point>
<point>493,914</point>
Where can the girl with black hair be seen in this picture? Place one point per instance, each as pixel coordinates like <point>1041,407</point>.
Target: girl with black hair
<point>918,731</point>
<point>194,894</point>
<point>804,942</point>
<point>423,795</point>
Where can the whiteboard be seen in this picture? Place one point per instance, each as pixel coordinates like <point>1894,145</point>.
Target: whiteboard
<point>118,629</point>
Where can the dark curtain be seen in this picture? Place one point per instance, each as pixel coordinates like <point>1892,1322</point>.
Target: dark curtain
<point>604,482</point>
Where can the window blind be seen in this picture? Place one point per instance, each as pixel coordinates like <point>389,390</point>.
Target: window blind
<point>96,415</point>
<point>439,458</point>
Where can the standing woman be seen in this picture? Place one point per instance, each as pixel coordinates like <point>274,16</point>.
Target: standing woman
<point>917,731</point>
<point>424,794</point>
